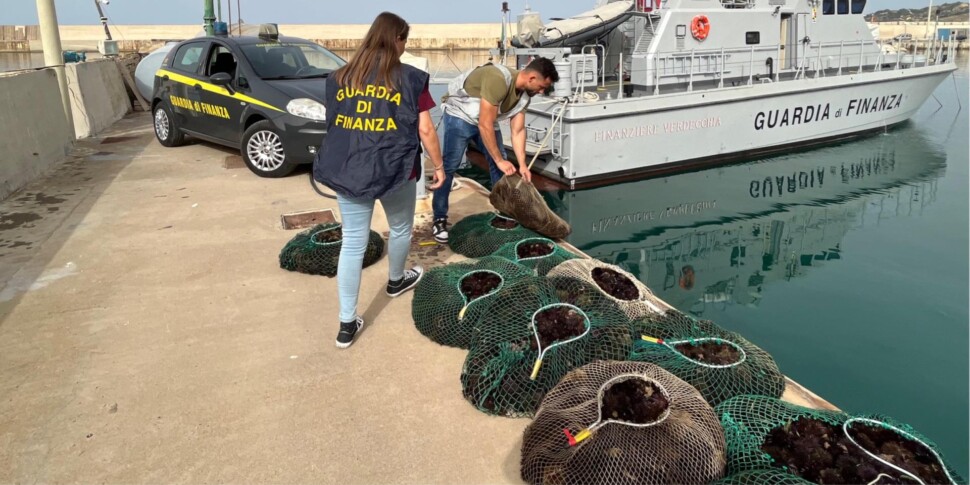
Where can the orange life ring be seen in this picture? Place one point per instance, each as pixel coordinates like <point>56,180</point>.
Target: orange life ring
<point>700,27</point>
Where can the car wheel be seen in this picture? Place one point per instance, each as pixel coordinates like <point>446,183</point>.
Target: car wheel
<point>166,127</point>
<point>262,150</point>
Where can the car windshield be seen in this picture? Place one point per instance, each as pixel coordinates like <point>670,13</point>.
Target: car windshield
<point>291,60</point>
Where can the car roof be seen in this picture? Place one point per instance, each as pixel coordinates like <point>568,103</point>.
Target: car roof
<point>250,40</point>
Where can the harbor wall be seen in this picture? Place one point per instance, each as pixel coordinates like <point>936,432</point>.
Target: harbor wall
<point>33,129</point>
<point>98,96</point>
<point>144,38</point>
<point>919,30</point>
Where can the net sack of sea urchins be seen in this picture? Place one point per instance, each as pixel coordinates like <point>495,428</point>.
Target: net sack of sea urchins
<point>450,299</point>
<point>530,337</point>
<point>776,442</point>
<point>612,282</point>
<point>612,422</point>
<point>538,253</point>
<point>719,363</point>
<point>316,251</point>
<point>520,199</point>
<point>480,235</point>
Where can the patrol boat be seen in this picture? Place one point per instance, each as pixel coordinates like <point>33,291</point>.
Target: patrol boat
<point>653,86</point>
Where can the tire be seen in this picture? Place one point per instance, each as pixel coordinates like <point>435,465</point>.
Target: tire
<point>262,150</point>
<point>166,126</point>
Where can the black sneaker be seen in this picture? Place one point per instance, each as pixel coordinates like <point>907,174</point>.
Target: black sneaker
<point>410,280</point>
<point>440,230</point>
<point>348,330</point>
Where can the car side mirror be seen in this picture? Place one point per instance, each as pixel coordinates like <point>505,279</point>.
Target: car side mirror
<point>222,79</point>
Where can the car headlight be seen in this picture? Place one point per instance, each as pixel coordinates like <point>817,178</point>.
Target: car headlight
<point>307,108</point>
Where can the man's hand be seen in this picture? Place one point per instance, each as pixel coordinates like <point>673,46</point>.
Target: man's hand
<point>525,173</point>
<point>439,178</point>
<point>505,166</point>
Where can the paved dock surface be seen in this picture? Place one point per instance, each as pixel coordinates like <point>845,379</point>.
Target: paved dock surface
<point>148,335</point>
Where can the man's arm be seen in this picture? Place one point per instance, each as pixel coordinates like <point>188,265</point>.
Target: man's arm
<point>487,114</point>
<point>518,145</point>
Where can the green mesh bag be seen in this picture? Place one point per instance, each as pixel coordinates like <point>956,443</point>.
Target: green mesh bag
<point>763,477</point>
<point>450,299</point>
<point>317,250</point>
<point>537,253</point>
<point>719,363</point>
<point>815,446</point>
<point>508,370</point>
<point>480,235</point>
<point>614,422</point>
<point>614,283</point>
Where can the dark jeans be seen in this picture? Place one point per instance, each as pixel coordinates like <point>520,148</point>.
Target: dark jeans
<point>457,135</point>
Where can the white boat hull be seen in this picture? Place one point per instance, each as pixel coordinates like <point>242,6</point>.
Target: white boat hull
<point>613,139</point>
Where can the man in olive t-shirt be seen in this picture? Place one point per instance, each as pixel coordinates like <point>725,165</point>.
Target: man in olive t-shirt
<point>475,103</point>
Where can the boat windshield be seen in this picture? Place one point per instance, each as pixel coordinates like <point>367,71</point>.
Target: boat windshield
<point>291,60</point>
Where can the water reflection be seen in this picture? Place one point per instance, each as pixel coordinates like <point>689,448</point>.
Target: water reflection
<point>720,236</point>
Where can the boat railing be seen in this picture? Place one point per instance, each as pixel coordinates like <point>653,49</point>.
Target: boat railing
<point>699,68</point>
<point>592,48</point>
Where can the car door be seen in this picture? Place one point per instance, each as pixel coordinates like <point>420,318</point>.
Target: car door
<point>221,110</point>
<point>186,93</point>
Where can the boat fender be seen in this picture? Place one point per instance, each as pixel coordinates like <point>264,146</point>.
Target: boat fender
<point>700,26</point>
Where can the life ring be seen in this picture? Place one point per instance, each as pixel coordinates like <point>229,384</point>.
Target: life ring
<point>700,27</point>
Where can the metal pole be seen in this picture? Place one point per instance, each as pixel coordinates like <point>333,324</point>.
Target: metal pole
<point>619,94</point>
<point>208,17</point>
<point>219,10</point>
<point>239,16</point>
<point>929,13</point>
<point>53,54</point>
<point>229,6</point>
<point>104,20</point>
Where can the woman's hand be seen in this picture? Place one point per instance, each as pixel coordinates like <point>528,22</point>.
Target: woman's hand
<point>439,178</point>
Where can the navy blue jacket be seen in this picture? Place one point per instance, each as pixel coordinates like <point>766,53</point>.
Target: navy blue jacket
<point>372,138</point>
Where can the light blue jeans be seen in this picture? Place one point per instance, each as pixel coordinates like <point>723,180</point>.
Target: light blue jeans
<point>356,216</point>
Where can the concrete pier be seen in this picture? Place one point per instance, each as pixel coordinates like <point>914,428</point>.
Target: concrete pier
<point>148,335</point>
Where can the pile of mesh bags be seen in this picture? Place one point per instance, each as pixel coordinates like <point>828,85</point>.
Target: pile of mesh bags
<point>774,442</point>
<point>316,251</point>
<point>482,234</point>
<point>614,422</point>
<point>450,299</point>
<point>719,363</point>
<point>613,283</point>
<point>532,334</point>
<point>523,202</point>
<point>536,253</point>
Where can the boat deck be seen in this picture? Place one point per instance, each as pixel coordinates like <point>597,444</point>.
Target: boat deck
<point>148,335</point>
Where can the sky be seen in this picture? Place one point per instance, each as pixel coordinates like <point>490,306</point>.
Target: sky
<point>69,12</point>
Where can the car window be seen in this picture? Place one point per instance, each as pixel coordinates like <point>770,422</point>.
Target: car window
<point>188,57</point>
<point>221,60</point>
<point>291,60</point>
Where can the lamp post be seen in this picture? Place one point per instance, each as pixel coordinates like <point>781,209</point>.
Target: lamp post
<point>209,17</point>
<point>53,54</point>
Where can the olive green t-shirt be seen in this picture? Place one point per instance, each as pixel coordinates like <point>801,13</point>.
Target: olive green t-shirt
<point>488,82</point>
